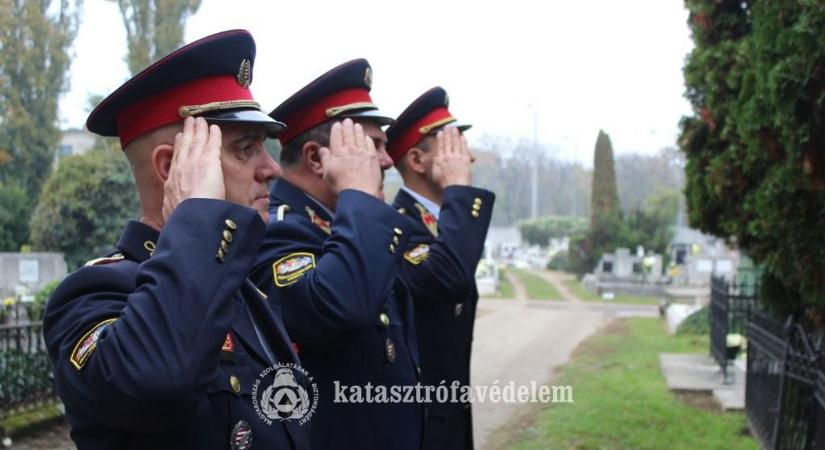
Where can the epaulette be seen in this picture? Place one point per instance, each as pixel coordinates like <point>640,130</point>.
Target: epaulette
<point>105,260</point>
<point>281,212</point>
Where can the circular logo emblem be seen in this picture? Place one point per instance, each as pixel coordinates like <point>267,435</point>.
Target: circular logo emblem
<point>284,392</point>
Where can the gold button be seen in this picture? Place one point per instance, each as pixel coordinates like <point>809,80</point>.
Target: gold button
<point>476,207</point>
<point>402,211</point>
<point>227,236</point>
<point>397,231</point>
<point>477,201</point>
<point>235,383</point>
<point>385,319</point>
<point>395,240</point>
<point>392,248</point>
<point>475,213</point>
<point>458,308</point>
<point>220,255</point>
<point>225,246</point>
<point>230,224</point>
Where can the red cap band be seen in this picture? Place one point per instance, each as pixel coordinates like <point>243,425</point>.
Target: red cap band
<point>414,133</point>
<point>163,108</point>
<point>317,113</point>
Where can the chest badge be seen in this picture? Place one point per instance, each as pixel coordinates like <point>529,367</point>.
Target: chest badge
<point>318,221</point>
<point>241,436</point>
<point>390,347</point>
<point>429,220</point>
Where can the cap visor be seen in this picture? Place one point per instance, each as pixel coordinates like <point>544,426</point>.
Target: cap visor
<point>250,116</point>
<point>369,114</point>
<point>461,126</point>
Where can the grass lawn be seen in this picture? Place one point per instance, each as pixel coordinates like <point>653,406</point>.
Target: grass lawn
<point>576,287</point>
<point>46,413</point>
<point>537,288</point>
<point>621,400</point>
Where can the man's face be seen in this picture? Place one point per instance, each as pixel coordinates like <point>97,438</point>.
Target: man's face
<point>427,147</point>
<point>379,138</point>
<point>247,166</point>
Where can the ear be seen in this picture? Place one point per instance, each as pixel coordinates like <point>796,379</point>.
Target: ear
<point>162,160</point>
<point>414,160</point>
<point>311,152</point>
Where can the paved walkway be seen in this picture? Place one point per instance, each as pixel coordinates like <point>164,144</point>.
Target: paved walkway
<point>522,341</point>
<point>519,290</point>
<point>53,438</point>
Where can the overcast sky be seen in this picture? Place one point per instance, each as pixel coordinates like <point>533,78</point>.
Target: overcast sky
<point>583,65</point>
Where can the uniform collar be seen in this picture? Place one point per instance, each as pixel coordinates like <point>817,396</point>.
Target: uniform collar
<point>138,241</point>
<point>431,206</point>
<point>284,192</point>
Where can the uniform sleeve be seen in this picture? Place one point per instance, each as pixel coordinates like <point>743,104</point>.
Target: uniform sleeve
<point>335,289</point>
<point>132,348</point>
<point>444,267</point>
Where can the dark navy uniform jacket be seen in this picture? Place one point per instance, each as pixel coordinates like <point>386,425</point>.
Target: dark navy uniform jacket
<point>439,269</point>
<point>138,340</point>
<point>346,309</point>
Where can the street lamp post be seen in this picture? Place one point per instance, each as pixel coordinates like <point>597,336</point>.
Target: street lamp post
<point>534,173</point>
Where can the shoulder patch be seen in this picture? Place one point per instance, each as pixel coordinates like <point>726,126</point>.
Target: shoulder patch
<point>417,254</point>
<point>290,268</point>
<point>87,344</point>
<point>105,260</point>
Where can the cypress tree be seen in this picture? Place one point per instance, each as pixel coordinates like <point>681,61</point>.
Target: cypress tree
<point>604,200</point>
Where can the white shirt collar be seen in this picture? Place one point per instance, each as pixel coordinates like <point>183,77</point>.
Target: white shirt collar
<point>431,206</point>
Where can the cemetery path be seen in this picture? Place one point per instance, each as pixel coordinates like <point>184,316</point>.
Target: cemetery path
<point>557,279</point>
<point>55,437</point>
<point>526,342</point>
<point>519,291</point>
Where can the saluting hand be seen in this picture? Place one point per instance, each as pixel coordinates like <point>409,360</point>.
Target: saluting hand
<point>350,161</point>
<point>452,162</point>
<point>195,171</point>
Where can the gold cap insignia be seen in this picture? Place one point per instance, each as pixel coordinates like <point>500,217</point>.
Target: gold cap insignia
<point>368,77</point>
<point>245,73</point>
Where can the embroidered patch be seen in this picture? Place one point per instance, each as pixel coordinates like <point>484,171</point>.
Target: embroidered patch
<point>318,221</point>
<point>429,220</point>
<point>417,254</point>
<point>86,345</point>
<point>290,268</point>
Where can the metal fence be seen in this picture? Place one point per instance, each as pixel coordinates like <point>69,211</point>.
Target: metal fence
<point>785,386</point>
<point>730,307</point>
<point>26,380</point>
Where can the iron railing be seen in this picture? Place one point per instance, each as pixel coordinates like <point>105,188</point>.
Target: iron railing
<point>730,306</point>
<point>26,380</point>
<point>785,386</point>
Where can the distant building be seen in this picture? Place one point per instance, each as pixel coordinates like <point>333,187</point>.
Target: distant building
<point>696,256</point>
<point>31,271</point>
<point>73,142</point>
<point>630,267</point>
